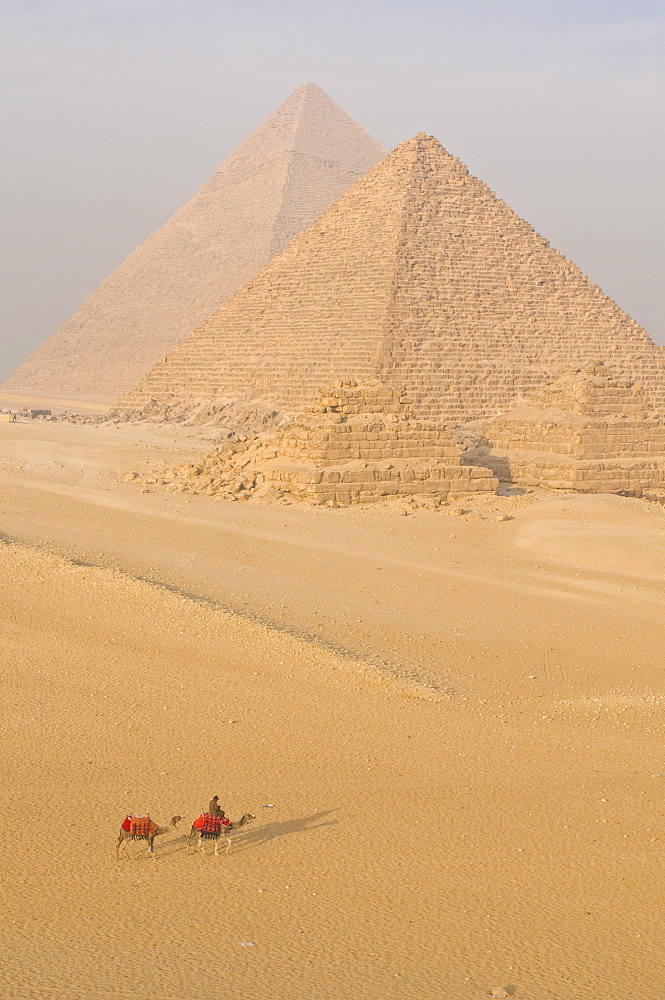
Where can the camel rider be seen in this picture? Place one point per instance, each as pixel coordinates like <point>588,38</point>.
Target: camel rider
<point>214,807</point>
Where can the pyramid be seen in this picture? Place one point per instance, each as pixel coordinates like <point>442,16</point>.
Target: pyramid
<point>284,175</point>
<point>357,443</point>
<point>587,431</point>
<point>419,276</point>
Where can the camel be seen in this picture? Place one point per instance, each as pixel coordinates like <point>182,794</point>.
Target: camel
<point>197,832</point>
<point>125,835</point>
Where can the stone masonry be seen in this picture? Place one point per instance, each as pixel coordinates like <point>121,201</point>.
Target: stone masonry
<point>587,431</point>
<point>284,175</point>
<point>421,277</point>
<point>356,444</point>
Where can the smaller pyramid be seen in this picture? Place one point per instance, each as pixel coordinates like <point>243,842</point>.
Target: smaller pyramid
<point>587,431</point>
<point>276,182</point>
<point>358,443</point>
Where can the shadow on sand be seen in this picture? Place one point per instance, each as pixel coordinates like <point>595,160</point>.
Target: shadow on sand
<point>248,837</point>
<point>168,847</point>
<point>271,831</point>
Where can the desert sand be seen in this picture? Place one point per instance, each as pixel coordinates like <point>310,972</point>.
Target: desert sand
<point>455,721</point>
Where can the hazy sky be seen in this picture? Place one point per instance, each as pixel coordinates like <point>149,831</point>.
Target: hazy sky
<point>115,111</point>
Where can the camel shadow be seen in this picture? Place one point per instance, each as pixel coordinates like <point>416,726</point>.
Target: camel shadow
<point>271,831</point>
<point>247,838</point>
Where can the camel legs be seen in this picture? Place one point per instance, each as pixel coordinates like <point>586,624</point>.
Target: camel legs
<point>217,843</point>
<point>193,833</point>
<point>228,846</point>
<point>121,841</point>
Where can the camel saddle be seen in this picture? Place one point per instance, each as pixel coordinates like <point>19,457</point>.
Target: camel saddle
<point>210,827</point>
<point>139,827</point>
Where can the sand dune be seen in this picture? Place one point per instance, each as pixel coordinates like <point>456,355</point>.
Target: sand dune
<point>458,723</point>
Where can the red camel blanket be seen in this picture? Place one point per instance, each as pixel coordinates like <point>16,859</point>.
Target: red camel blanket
<point>211,826</point>
<point>138,827</point>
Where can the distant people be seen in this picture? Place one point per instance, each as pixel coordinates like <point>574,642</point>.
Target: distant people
<point>214,808</point>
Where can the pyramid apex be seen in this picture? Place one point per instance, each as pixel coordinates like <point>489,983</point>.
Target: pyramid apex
<point>276,182</point>
<point>307,87</point>
<point>425,148</point>
<point>422,141</point>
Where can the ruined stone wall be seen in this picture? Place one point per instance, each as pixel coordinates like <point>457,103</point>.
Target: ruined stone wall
<point>343,450</point>
<point>592,390</point>
<point>604,440</point>
<point>595,439</point>
<point>612,476</point>
<point>364,422</point>
<point>344,486</point>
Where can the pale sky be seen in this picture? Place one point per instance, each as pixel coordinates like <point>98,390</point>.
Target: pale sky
<point>115,111</point>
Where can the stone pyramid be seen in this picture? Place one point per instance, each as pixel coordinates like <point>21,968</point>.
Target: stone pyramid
<point>284,175</point>
<point>357,443</point>
<point>587,431</point>
<point>421,277</point>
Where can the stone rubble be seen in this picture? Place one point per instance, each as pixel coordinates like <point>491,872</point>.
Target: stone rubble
<point>235,418</point>
<point>358,443</point>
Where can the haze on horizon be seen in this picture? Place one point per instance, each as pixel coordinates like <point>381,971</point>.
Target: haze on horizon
<point>115,115</point>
